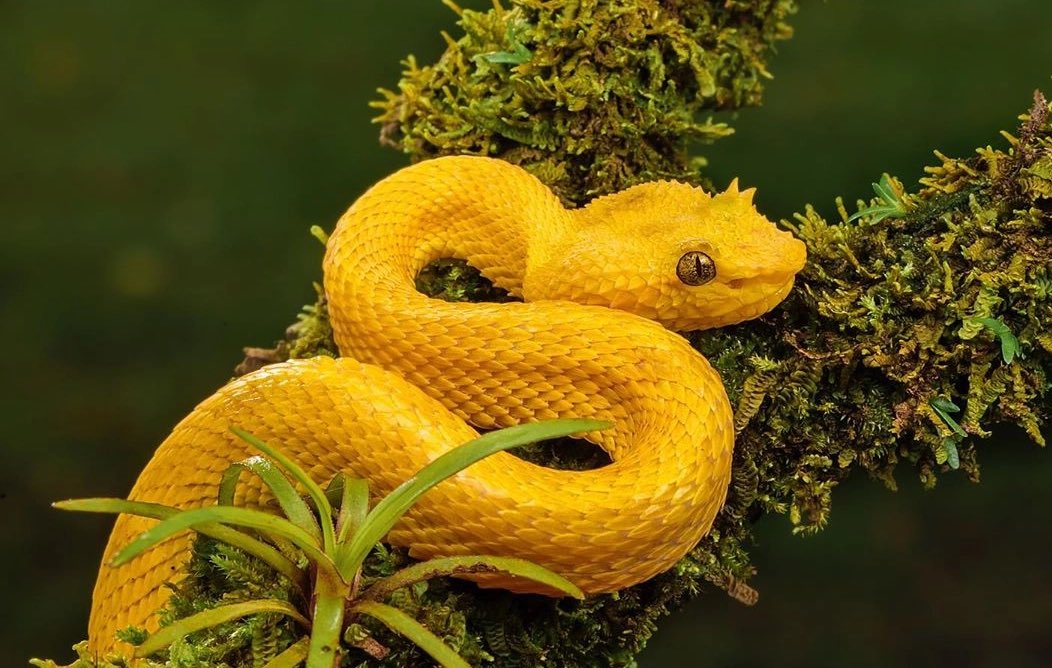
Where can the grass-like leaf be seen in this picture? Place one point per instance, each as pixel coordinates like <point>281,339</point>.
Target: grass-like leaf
<point>168,634</point>
<point>194,519</point>
<point>444,566</point>
<point>336,547</point>
<point>292,504</point>
<point>388,511</point>
<point>354,507</point>
<point>331,592</point>
<point>229,535</point>
<point>948,452</point>
<point>316,493</point>
<point>406,626</point>
<point>943,407</point>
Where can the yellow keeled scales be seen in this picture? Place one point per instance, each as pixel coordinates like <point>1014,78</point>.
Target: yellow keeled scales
<point>425,366</point>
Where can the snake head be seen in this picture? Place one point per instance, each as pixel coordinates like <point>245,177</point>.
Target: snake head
<point>669,252</point>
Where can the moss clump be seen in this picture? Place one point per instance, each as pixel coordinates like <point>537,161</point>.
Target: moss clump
<point>589,96</point>
<point>893,349</point>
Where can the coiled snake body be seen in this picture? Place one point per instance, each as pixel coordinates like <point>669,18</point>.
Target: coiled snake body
<point>587,342</point>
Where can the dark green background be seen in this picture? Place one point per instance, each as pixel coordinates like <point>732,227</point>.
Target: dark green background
<point>161,163</point>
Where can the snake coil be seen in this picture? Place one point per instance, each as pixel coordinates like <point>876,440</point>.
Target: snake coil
<point>591,340</point>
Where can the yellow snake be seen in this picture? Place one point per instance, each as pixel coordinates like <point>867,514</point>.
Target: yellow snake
<point>602,285</point>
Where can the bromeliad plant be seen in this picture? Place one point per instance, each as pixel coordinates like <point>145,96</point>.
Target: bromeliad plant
<point>321,545</point>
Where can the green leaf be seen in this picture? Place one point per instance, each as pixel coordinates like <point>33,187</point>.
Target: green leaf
<point>406,626</point>
<point>944,404</point>
<point>889,203</point>
<point>1009,342</point>
<point>884,191</point>
<point>519,55</point>
<point>334,490</point>
<point>291,657</point>
<point>445,566</point>
<point>354,506</point>
<point>316,493</point>
<point>208,618</point>
<point>193,519</point>
<point>943,408</point>
<point>330,600</point>
<point>295,509</point>
<point>229,535</point>
<point>388,511</point>
<point>155,511</point>
<point>953,457</point>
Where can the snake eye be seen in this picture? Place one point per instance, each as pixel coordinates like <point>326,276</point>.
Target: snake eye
<point>695,268</point>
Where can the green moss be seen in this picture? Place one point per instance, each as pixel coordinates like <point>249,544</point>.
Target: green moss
<point>589,96</point>
<point>455,281</point>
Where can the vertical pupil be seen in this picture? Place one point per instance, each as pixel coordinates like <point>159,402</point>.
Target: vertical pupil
<point>695,268</point>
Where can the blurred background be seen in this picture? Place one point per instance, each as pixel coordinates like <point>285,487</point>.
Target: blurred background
<point>161,164</point>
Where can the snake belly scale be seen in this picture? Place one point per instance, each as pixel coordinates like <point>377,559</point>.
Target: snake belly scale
<point>417,376</point>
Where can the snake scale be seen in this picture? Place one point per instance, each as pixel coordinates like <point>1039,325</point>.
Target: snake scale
<point>602,286</point>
